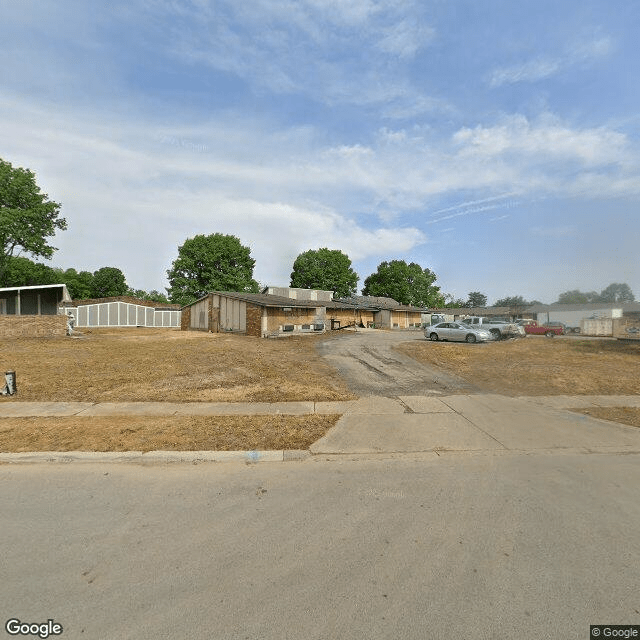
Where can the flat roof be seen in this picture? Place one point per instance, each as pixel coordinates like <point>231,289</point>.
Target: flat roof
<point>65,294</point>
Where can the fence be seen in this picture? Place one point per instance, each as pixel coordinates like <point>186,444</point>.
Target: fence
<point>123,314</point>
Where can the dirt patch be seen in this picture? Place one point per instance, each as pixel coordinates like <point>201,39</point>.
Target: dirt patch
<point>218,433</point>
<point>170,365</point>
<point>537,365</point>
<point>624,415</point>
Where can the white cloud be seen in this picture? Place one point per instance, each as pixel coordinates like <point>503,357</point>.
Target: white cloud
<point>131,195</point>
<point>336,51</point>
<point>548,137</point>
<point>542,67</point>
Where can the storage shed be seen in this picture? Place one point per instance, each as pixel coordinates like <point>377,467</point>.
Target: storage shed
<point>123,311</point>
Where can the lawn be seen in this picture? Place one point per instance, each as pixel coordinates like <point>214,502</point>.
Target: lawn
<point>169,365</point>
<point>536,365</point>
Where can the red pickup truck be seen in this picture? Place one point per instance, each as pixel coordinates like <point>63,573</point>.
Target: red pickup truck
<point>532,327</point>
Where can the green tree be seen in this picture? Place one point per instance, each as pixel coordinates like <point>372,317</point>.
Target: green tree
<point>511,301</point>
<point>79,284</point>
<point>617,292</point>
<point>407,283</point>
<point>108,282</point>
<point>451,302</point>
<point>22,272</point>
<point>216,262</point>
<point>153,295</point>
<point>576,297</point>
<point>476,299</point>
<point>325,269</point>
<point>27,216</point>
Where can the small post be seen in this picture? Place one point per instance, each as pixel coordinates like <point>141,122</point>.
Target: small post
<point>10,387</point>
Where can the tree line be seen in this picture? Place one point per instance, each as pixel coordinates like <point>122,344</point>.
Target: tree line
<point>216,262</point>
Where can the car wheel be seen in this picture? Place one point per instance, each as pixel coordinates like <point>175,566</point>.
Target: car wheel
<point>433,337</point>
<point>550,334</point>
<point>495,333</point>
<point>470,338</point>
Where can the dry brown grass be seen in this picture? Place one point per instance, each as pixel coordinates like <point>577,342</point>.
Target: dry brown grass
<point>624,415</point>
<point>539,366</point>
<point>218,433</point>
<point>170,365</point>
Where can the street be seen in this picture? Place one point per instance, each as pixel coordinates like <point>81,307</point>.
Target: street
<point>458,545</point>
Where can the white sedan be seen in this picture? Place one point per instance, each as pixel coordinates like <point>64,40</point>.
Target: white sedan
<point>456,331</point>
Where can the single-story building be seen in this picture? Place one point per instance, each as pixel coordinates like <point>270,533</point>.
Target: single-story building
<point>253,314</point>
<point>385,313</point>
<point>33,311</point>
<point>279,311</point>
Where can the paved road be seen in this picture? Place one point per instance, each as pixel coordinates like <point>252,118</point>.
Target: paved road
<point>487,546</point>
<point>369,365</point>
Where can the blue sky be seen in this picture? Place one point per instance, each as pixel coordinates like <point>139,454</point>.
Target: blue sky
<point>493,142</point>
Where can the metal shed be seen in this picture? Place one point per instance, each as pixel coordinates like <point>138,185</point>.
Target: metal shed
<point>123,314</point>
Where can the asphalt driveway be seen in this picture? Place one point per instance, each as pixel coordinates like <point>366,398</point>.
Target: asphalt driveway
<point>369,365</point>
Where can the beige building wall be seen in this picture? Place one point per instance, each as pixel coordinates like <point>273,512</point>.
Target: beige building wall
<point>200,315</point>
<point>349,316</point>
<point>302,320</point>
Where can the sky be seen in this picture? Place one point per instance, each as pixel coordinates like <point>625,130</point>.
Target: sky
<point>493,142</point>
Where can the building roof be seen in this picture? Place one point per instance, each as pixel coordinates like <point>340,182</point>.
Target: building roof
<point>474,311</point>
<point>65,294</point>
<point>265,300</point>
<point>537,308</point>
<point>166,306</point>
<point>376,303</point>
<point>587,306</point>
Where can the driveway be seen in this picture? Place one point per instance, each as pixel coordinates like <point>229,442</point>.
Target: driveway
<point>369,365</point>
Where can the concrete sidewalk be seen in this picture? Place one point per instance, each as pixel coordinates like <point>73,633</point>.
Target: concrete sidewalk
<point>407,424</point>
<point>14,409</point>
<point>375,405</point>
<point>470,423</point>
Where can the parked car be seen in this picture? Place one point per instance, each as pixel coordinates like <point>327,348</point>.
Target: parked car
<point>458,332</point>
<point>523,322</point>
<point>498,327</point>
<point>549,329</point>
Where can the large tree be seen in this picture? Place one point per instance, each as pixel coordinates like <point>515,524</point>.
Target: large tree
<point>617,292</point>
<point>216,262</point>
<point>476,299</point>
<point>22,272</point>
<point>27,216</point>
<point>79,284</point>
<point>577,297</point>
<point>109,282</point>
<point>152,296</point>
<point>325,269</point>
<point>512,301</point>
<point>406,283</point>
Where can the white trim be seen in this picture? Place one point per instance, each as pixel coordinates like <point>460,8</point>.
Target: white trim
<point>65,293</point>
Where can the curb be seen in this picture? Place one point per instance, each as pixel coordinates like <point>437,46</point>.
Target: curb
<point>166,457</point>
